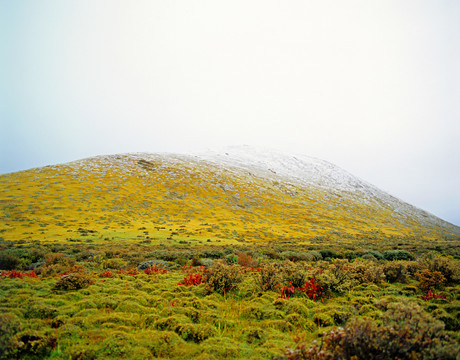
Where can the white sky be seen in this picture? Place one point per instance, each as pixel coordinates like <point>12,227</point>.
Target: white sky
<point>372,86</point>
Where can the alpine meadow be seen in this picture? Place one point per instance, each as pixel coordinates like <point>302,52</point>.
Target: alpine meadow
<point>240,254</point>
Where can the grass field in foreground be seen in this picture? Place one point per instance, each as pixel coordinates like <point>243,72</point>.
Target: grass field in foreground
<point>92,301</point>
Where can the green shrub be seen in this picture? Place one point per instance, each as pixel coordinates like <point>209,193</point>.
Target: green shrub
<point>196,261</point>
<point>366,271</point>
<point>280,303</point>
<point>129,306</point>
<point>253,311</point>
<point>220,348</point>
<point>413,267</point>
<point>281,325</point>
<point>351,255</point>
<point>72,281</point>
<point>222,278</point>
<point>449,268</point>
<point>38,310</point>
<point>368,257</point>
<point>192,314</point>
<point>82,352</point>
<point>164,344</point>
<point>271,253</point>
<point>295,273</point>
<point>35,344</point>
<point>212,254</point>
<point>247,287</point>
<point>269,277</point>
<point>181,260</point>
<point>25,256</point>
<point>406,332</point>
<point>395,271</point>
<point>451,322</point>
<point>376,254</point>
<point>359,268</point>
<point>296,305</point>
<point>231,259</point>
<point>9,262</point>
<point>429,280</point>
<point>374,274</point>
<point>397,255</point>
<point>296,320</point>
<point>171,322</point>
<point>254,335</point>
<point>114,263</point>
<point>194,302</point>
<point>9,326</point>
<point>323,319</point>
<point>150,319</point>
<point>153,263</point>
<point>409,290</point>
<point>295,255</point>
<point>195,332</point>
<point>118,344</point>
<point>326,253</point>
<point>207,262</point>
<point>339,314</point>
<point>313,256</point>
<point>336,277</point>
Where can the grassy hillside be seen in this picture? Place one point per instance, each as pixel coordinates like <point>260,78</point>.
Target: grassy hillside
<point>168,198</point>
<point>147,256</point>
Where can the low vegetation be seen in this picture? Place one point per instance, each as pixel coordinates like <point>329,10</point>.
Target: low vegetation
<point>282,301</point>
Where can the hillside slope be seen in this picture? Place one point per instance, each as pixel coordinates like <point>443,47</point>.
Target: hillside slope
<point>237,195</point>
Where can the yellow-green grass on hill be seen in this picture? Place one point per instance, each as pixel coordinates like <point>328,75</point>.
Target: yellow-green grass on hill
<point>169,198</point>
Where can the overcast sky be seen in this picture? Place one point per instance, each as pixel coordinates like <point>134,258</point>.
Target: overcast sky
<point>372,86</point>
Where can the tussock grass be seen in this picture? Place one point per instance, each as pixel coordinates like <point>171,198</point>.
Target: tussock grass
<point>151,316</point>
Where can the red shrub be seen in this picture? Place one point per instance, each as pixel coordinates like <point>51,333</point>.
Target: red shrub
<point>245,270</point>
<point>133,272</point>
<point>186,268</point>
<point>14,274</point>
<point>155,270</point>
<point>17,274</point>
<point>431,295</point>
<point>194,275</point>
<point>312,289</point>
<point>286,291</point>
<point>105,274</point>
<point>192,279</point>
<point>31,274</point>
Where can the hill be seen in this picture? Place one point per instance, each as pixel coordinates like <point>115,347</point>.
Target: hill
<point>235,196</point>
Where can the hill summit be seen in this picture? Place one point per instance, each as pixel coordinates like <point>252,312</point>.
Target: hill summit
<point>237,195</point>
